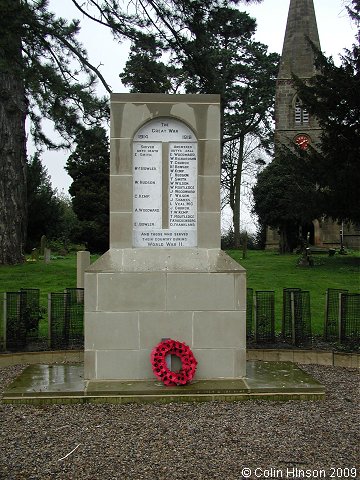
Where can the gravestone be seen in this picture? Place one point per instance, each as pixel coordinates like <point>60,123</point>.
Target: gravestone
<point>34,254</point>
<point>164,275</point>
<point>47,255</point>
<point>43,244</point>
<point>82,263</point>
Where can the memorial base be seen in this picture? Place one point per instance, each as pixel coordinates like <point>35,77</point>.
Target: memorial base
<point>136,297</point>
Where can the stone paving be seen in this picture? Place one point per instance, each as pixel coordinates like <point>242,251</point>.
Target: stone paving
<point>64,383</point>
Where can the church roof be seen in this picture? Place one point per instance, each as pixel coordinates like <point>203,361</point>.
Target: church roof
<point>297,56</point>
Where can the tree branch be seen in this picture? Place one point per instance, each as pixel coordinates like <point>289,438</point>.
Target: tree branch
<point>115,28</point>
<point>83,60</point>
<point>84,12</point>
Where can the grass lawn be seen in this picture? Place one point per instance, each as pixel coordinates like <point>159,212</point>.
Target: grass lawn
<point>270,271</point>
<point>52,277</point>
<point>265,271</point>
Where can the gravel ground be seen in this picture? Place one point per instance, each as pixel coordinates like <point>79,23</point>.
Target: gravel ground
<point>214,440</point>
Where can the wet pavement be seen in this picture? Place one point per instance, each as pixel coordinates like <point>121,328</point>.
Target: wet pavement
<point>65,383</point>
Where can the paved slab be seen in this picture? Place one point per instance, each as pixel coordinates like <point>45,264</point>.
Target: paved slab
<point>65,384</point>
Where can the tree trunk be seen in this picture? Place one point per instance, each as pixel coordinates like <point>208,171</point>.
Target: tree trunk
<point>284,241</point>
<point>237,194</point>
<point>12,160</point>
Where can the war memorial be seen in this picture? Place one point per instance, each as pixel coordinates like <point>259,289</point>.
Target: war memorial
<point>164,275</point>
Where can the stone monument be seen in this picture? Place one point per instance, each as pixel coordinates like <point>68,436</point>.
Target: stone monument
<point>164,275</point>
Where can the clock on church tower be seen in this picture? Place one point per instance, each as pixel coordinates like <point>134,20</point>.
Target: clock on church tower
<point>302,141</point>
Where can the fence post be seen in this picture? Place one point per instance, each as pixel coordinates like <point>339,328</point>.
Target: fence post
<point>67,306</point>
<point>49,320</point>
<point>5,318</point>
<point>340,317</point>
<point>249,312</point>
<point>292,307</point>
<point>326,315</point>
<point>255,319</point>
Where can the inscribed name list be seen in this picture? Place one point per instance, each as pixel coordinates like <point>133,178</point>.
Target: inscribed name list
<point>177,198</point>
<point>147,177</point>
<point>182,185</point>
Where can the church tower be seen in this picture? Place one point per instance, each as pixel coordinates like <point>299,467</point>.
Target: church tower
<point>293,124</point>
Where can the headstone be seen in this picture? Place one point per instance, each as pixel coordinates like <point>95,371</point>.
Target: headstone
<point>47,255</point>
<point>82,263</point>
<point>164,275</point>
<point>43,244</point>
<point>34,255</point>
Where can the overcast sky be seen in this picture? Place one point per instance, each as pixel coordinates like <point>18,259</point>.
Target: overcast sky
<point>335,31</point>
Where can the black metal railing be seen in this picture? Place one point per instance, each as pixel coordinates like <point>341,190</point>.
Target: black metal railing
<point>24,326</point>
<point>66,319</point>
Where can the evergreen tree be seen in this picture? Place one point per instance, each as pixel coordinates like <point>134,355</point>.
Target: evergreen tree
<point>146,72</point>
<point>333,96</point>
<point>286,196</point>
<point>89,168</point>
<point>68,224</point>
<point>44,211</point>
<point>44,74</point>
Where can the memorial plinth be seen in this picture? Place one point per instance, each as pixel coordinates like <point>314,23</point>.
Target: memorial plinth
<point>164,275</point>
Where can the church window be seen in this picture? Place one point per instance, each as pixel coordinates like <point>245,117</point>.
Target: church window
<point>301,114</point>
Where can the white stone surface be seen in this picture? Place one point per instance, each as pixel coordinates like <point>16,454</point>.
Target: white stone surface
<point>165,162</point>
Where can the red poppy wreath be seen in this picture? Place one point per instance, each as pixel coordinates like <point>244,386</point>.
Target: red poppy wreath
<point>160,368</point>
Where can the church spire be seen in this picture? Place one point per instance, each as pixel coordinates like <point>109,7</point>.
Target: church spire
<point>297,56</point>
